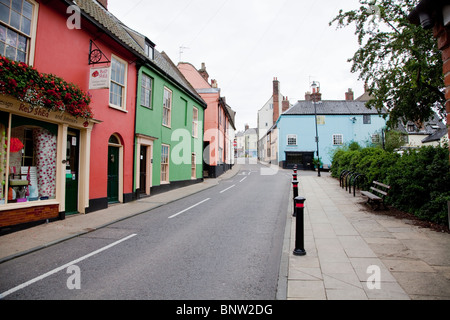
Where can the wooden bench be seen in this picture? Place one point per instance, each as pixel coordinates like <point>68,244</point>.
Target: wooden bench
<point>378,192</point>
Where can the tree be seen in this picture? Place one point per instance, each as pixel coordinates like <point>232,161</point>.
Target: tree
<point>399,61</point>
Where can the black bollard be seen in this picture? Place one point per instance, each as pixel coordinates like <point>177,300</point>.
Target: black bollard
<point>294,176</point>
<point>295,189</point>
<point>299,227</point>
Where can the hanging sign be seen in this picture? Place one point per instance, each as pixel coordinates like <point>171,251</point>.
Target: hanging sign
<point>99,78</point>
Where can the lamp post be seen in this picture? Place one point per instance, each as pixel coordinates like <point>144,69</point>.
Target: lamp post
<point>315,86</point>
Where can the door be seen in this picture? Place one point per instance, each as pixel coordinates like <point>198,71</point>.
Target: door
<point>72,170</point>
<point>113,174</point>
<point>143,170</point>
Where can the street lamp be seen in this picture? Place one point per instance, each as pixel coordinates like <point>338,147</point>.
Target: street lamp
<point>315,86</point>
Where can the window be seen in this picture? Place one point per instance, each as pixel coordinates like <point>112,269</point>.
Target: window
<point>338,139</point>
<point>16,17</point>
<point>167,107</point>
<point>149,50</point>
<point>195,122</point>
<point>411,128</point>
<point>367,119</point>
<point>31,174</point>
<point>292,139</point>
<point>146,91</point>
<point>164,163</point>
<point>193,166</point>
<point>375,138</point>
<point>118,83</point>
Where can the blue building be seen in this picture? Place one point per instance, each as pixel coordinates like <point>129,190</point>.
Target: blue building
<point>338,123</point>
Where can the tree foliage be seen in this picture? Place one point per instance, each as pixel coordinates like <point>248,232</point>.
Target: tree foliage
<point>399,61</point>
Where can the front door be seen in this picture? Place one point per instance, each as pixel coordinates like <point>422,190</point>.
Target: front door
<point>113,174</point>
<point>72,162</point>
<point>143,170</point>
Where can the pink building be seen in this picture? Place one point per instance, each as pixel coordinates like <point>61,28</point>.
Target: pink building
<point>219,121</point>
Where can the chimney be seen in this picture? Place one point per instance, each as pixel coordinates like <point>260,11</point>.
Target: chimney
<point>104,3</point>
<point>246,127</point>
<point>214,83</point>
<point>285,104</point>
<point>315,95</point>
<point>349,95</point>
<point>203,72</point>
<point>276,99</point>
<point>308,96</point>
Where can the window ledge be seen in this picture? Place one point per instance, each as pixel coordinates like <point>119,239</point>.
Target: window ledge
<point>118,108</point>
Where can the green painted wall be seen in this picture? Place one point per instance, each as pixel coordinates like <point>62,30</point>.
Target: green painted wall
<point>181,142</point>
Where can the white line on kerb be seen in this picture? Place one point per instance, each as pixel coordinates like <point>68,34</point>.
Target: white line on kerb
<point>228,188</point>
<point>26,284</point>
<point>176,214</point>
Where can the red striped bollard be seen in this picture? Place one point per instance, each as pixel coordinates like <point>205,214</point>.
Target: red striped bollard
<point>295,190</point>
<point>299,227</point>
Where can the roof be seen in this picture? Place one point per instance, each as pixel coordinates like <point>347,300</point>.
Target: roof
<point>330,107</point>
<point>109,22</point>
<point>163,61</point>
<point>436,136</point>
<point>135,41</point>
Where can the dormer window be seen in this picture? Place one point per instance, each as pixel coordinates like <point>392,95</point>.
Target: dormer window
<point>149,50</point>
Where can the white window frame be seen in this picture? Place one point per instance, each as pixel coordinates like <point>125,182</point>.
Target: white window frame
<point>146,92</point>
<point>167,108</point>
<point>31,38</point>
<point>336,137</point>
<point>291,137</point>
<point>195,122</point>
<point>165,178</point>
<point>123,86</point>
<point>193,165</point>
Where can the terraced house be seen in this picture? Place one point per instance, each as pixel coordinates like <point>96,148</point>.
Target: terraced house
<point>169,127</point>
<point>74,80</point>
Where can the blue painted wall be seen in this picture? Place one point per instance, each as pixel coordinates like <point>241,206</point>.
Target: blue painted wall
<point>304,127</point>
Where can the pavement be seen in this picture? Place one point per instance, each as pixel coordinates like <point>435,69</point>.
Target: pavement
<point>351,252</point>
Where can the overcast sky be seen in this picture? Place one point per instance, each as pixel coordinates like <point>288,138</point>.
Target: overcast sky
<point>246,43</point>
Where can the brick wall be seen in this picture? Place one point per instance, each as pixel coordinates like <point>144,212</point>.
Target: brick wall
<point>30,214</point>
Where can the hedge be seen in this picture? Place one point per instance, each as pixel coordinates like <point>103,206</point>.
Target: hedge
<point>419,178</point>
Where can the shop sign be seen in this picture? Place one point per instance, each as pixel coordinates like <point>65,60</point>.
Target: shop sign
<point>25,109</point>
<point>99,78</point>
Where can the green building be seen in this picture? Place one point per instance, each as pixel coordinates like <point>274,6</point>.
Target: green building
<point>169,127</point>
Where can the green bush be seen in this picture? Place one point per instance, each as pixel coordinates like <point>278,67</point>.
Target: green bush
<point>419,179</point>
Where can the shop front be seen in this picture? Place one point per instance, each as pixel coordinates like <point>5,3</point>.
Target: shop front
<point>44,163</point>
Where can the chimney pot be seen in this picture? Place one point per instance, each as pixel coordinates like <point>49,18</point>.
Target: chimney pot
<point>104,3</point>
<point>349,95</point>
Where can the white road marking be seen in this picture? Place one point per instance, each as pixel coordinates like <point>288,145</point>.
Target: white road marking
<point>176,214</point>
<point>26,284</point>
<point>228,188</point>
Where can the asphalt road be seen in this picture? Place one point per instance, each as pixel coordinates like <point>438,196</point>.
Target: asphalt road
<point>224,243</point>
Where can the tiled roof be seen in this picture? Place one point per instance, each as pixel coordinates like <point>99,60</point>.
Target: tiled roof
<point>163,61</point>
<point>134,41</point>
<point>330,107</point>
<point>109,22</point>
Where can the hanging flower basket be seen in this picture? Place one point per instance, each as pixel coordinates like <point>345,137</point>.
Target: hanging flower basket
<point>15,145</point>
<point>43,90</point>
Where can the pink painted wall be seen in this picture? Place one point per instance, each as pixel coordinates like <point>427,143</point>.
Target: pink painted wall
<point>64,52</point>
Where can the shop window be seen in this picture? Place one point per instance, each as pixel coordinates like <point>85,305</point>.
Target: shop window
<point>31,174</point>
